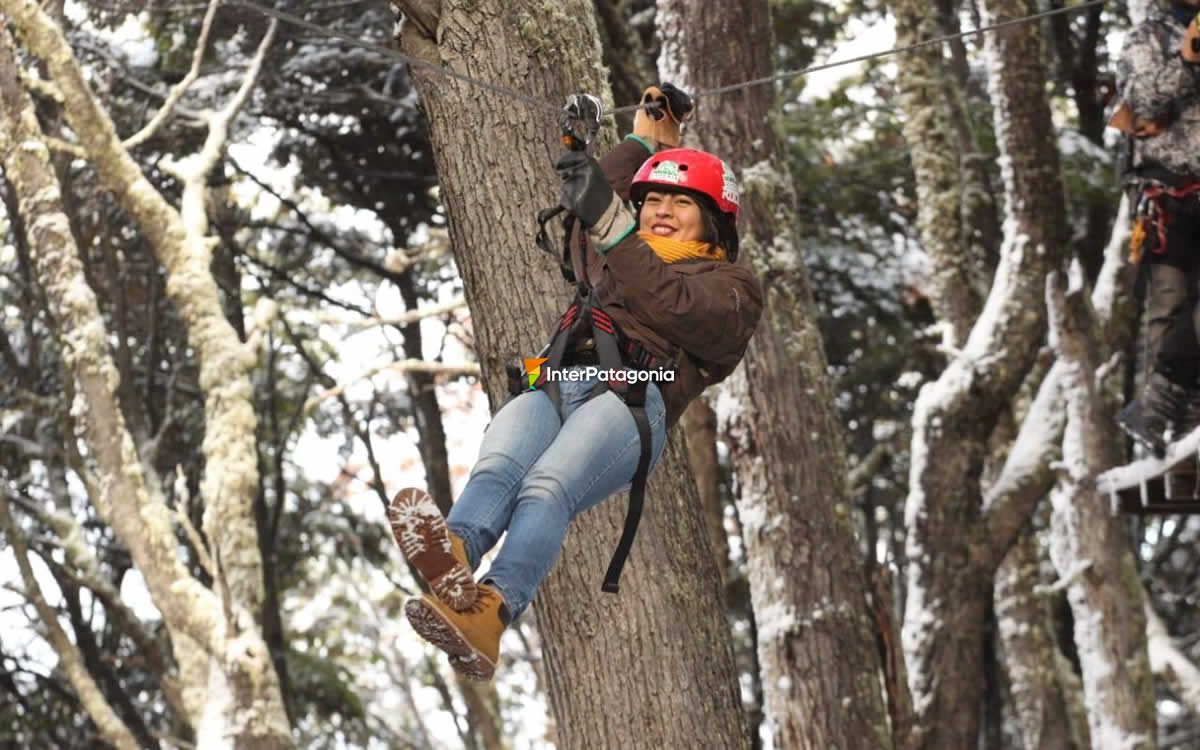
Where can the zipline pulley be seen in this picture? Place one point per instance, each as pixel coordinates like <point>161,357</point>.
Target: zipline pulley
<point>580,122</point>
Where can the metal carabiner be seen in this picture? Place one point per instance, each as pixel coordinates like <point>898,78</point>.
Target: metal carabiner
<point>580,121</point>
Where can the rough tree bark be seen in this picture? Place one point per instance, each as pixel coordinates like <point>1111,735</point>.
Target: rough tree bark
<point>948,574</point>
<point>699,427</point>
<point>820,669</point>
<point>933,145</point>
<point>237,695</point>
<point>653,667</point>
<point>1030,655</point>
<point>1089,546</point>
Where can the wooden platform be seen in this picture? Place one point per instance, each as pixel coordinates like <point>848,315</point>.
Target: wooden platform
<point>1169,494</point>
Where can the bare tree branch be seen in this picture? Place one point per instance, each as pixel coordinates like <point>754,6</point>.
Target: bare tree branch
<point>83,569</point>
<point>195,169</point>
<point>178,90</point>
<point>1169,662</point>
<point>405,365</point>
<point>107,722</point>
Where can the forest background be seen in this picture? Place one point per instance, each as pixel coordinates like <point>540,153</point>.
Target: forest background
<point>257,275</point>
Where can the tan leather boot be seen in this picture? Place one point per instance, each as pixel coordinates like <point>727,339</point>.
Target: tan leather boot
<point>431,548</point>
<point>471,638</point>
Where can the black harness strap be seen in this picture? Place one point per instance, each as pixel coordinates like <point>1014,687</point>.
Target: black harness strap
<point>610,355</point>
<point>635,399</point>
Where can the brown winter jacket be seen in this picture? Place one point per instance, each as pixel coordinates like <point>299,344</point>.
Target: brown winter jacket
<point>699,312</point>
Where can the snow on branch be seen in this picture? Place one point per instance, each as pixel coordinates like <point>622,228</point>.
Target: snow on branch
<point>412,316</point>
<point>71,661</point>
<point>82,567</point>
<point>1064,582</point>
<point>1138,472</point>
<point>1026,476</point>
<point>1168,661</point>
<point>178,90</point>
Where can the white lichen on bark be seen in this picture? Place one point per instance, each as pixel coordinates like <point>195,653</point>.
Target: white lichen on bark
<point>223,626</point>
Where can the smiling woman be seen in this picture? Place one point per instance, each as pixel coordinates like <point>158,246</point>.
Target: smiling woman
<point>687,195</point>
<point>653,245</point>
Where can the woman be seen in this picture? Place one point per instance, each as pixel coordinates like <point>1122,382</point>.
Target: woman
<point>667,278</point>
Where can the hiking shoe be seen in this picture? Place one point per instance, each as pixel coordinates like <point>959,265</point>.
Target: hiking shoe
<point>1155,418</point>
<point>471,638</point>
<point>434,551</point>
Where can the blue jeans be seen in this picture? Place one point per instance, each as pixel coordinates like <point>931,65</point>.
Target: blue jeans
<point>534,475</point>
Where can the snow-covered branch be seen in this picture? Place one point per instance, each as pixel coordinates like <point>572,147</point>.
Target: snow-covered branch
<point>1169,662</point>
<point>82,567</point>
<point>412,316</point>
<point>178,90</point>
<point>71,661</point>
<point>1026,476</point>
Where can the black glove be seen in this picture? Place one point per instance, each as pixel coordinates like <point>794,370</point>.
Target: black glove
<point>679,104</point>
<point>585,190</point>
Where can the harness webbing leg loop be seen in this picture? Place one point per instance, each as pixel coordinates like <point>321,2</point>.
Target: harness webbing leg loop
<point>636,401</point>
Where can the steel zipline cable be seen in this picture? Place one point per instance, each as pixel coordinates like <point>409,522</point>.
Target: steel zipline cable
<point>533,101</point>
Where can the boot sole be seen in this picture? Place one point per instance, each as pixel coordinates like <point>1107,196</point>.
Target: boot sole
<point>433,627</point>
<point>420,531</point>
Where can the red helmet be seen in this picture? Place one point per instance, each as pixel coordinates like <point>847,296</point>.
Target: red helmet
<point>689,170</point>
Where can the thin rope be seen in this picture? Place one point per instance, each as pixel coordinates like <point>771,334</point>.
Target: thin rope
<point>547,106</point>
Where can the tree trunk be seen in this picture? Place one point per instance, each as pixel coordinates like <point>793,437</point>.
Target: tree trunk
<point>820,668</point>
<point>948,574</point>
<point>1030,655</point>
<point>699,427</point>
<point>1089,546</point>
<point>654,667</point>
<point>924,82</point>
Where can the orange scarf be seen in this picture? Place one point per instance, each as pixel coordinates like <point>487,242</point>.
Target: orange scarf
<point>672,251</point>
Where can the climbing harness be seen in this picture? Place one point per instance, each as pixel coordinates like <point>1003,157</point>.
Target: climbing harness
<point>1151,215</point>
<point>597,338</point>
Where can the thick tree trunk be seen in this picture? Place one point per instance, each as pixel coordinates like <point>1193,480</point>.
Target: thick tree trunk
<point>925,85</point>
<point>699,427</point>
<point>1030,654</point>
<point>820,669</point>
<point>949,577</point>
<point>1089,546</point>
<point>652,667</point>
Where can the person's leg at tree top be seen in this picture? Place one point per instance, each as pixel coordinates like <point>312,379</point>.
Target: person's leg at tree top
<point>1166,409</point>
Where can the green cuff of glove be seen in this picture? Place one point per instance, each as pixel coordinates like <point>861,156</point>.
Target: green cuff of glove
<point>615,224</point>
<point>649,146</point>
